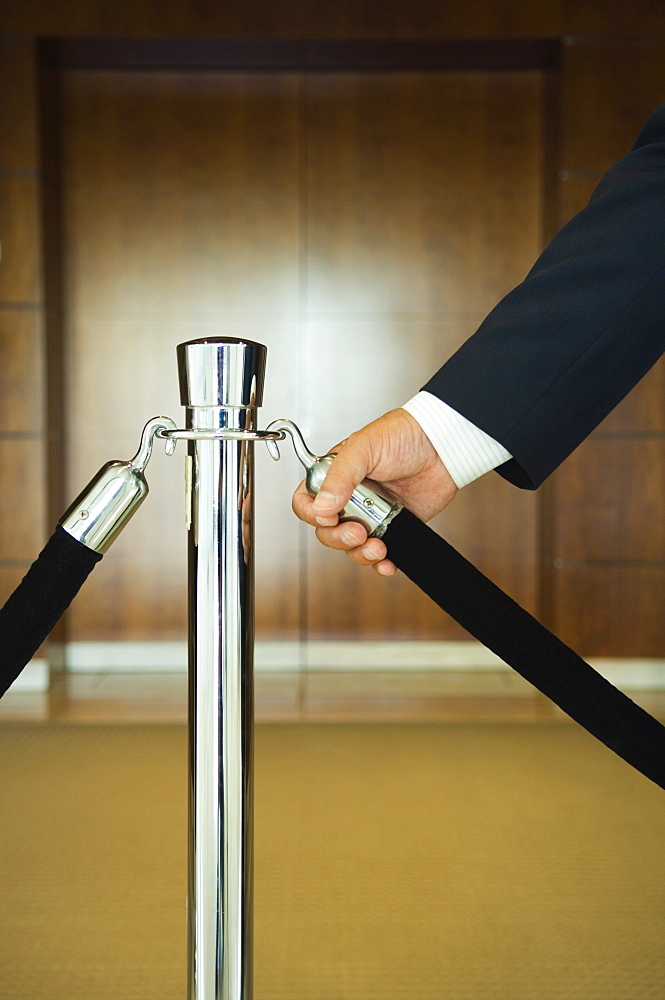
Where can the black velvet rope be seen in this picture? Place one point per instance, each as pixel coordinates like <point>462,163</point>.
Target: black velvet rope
<point>41,597</point>
<point>513,634</point>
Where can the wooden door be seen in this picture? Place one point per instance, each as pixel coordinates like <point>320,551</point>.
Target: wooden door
<point>360,225</point>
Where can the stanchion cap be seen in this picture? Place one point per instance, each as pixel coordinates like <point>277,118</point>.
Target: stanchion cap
<point>221,371</point>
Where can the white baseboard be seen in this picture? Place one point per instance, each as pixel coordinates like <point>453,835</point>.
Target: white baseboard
<point>631,675</point>
<point>290,656</point>
<point>85,657</point>
<point>321,655</point>
<point>33,677</point>
<point>125,657</point>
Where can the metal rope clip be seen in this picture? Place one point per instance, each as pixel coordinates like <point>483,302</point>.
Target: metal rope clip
<point>101,511</point>
<point>367,505</point>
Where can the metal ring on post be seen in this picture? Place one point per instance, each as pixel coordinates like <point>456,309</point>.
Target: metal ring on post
<point>221,434</point>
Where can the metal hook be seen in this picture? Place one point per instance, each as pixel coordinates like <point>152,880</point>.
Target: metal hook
<point>101,511</point>
<point>366,505</point>
<point>308,458</point>
<point>152,429</point>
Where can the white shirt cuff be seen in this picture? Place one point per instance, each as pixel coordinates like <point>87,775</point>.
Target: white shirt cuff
<point>465,450</point>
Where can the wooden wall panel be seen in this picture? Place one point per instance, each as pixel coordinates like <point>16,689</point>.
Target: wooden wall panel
<point>19,233</point>
<point>18,133</point>
<point>22,499</point>
<point>189,174</point>
<point>181,207</point>
<point>608,91</point>
<point>21,371</point>
<point>643,409</point>
<point>133,599</point>
<point>612,612</point>
<point>414,209</point>
<point>282,18</point>
<point>22,454</point>
<point>610,501</point>
<point>423,204</point>
<point>185,198</point>
<point>612,17</point>
<point>610,84</point>
<point>606,567</point>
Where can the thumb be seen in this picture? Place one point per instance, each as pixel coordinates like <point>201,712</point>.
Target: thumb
<point>348,469</point>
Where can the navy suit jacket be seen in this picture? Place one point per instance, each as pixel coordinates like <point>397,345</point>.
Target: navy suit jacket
<point>565,346</point>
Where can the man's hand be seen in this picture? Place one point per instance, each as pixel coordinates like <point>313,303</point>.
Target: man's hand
<point>393,451</point>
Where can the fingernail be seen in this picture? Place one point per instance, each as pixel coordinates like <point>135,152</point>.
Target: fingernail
<point>349,538</point>
<point>326,522</point>
<point>370,552</point>
<point>325,501</point>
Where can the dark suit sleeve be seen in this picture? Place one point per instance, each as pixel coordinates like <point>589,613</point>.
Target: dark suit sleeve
<point>565,346</point>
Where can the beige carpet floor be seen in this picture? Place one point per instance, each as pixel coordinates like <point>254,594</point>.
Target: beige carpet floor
<point>449,861</point>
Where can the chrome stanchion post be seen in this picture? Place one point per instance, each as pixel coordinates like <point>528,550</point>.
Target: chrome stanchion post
<point>221,384</point>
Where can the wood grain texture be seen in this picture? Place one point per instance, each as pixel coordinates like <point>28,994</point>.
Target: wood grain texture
<point>602,513</point>
<point>643,409</point>
<point>617,612</point>
<point>20,271</point>
<point>203,222</point>
<point>412,200</point>
<point>423,207</point>
<point>18,127</point>
<point>493,524</point>
<point>609,90</point>
<point>612,17</point>
<point>283,19</point>
<point>22,499</point>
<point>610,501</point>
<point>21,370</point>
<point>319,215</point>
<point>181,207</point>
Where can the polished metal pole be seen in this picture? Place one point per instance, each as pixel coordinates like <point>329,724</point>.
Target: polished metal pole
<point>221,383</point>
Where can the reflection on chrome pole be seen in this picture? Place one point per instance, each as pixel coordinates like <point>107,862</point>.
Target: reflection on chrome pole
<point>221,382</point>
